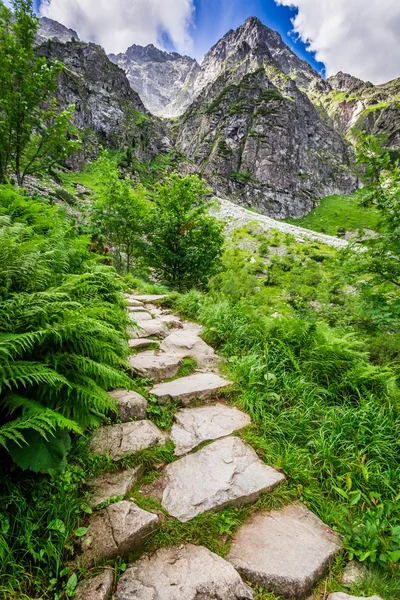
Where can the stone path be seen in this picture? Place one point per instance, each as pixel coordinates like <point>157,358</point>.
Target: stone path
<point>284,551</point>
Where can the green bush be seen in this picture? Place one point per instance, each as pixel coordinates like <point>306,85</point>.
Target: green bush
<point>62,332</point>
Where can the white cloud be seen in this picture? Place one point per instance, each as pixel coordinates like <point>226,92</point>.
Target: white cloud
<point>360,37</point>
<point>117,24</point>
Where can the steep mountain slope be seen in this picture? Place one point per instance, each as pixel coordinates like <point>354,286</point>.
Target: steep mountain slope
<point>160,78</point>
<point>105,104</point>
<point>351,102</point>
<point>254,132</point>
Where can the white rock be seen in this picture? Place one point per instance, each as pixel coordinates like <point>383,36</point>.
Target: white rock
<point>138,309</point>
<point>132,301</point>
<point>124,439</point>
<point>172,321</point>
<point>143,343</point>
<point>150,297</point>
<point>140,317</point>
<point>131,405</point>
<point>285,551</point>
<point>196,425</point>
<point>342,596</point>
<point>353,572</point>
<point>189,345</point>
<point>155,365</point>
<point>227,472</point>
<point>115,531</point>
<point>201,386</point>
<point>96,588</point>
<point>185,573</point>
<point>112,485</point>
<point>154,328</point>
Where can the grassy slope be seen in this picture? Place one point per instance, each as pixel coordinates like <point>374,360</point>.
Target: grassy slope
<point>336,212</point>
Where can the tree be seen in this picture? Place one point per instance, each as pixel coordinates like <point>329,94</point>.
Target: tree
<point>34,135</point>
<point>184,243</point>
<point>119,214</point>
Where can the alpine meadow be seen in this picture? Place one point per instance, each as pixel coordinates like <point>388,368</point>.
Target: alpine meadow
<point>199,320</point>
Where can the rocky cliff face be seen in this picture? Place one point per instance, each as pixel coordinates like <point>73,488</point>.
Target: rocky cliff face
<point>107,110</point>
<point>163,80</point>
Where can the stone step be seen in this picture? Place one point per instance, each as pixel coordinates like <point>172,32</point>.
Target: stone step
<point>143,343</point>
<point>193,426</point>
<point>96,588</point>
<point>186,344</point>
<point>227,472</point>
<point>171,321</point>
<point>138,309</point>
<point>133,301</point>
<point>285,551</point>
<point>342,596</point>
<point>140,317</point>
<point>112,485</point>
<point>201,386</point>
<point>125,439</point>
<point>149,298</point>
<point>185,573</point>
<point>115,531</point>
<point>154,328</point>
<point>155,365</point>
<point>131,405</point>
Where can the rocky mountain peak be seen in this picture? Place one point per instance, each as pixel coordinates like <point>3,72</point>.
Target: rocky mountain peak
<point>52,30</point>
<point>343,82</point>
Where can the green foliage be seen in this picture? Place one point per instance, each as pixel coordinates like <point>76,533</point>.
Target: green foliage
<point>34,135</point>
<point>243,176</point>
<point>184,242</point>
<point>62,332</point>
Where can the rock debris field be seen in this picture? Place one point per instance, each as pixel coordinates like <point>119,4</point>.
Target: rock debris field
<point>285,551</point>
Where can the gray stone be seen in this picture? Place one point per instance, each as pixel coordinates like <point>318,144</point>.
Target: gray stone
<point>131,405</point>
<point>125,439</point>
<point>151,297</point>
<point>196,425</point>
<point>201,386</point>
<point>185,573</point>
<point>172,321</point>
<point>112,485</point>
<point>155,365</point>
<point>285,551</point>
<point>143,343</point>
<point>353,572</point>
<point>96,588</point>
<point>138,309</point>
<point>227,472</point>
<point>189,345</point>
<point>132,301</point>
<point>140,316</point>
<point>154,328</point>
<point>342,596</point>
<point>114,531</point>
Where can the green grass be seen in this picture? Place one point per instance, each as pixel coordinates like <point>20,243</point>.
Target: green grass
<point>337,212</point>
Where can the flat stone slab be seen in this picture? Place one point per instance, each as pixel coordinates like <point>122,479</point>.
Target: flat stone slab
<point>155,328</point>
<point>285,551</point>
<point>150,297</point>
<point>112,485</point>
<point>201,386</point>
<point>227,472</point>
<point>155,365</point>
<point>185,573</point>
<point>172,321</point>
<point>96,588</point>
<point>185,344</point>
<point>114,531</point>
<point>138,309</point>
<point>131,405</point>
<point>342,596</point>
<point>125,439</point>
<point>196,425</point>
<point>132,301</point>
<point>143,344</point>
<point>140,317</point>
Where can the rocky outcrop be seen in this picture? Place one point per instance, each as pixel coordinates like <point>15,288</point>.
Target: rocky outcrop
<point>52,30</point>
<point>259,140</point>
<point>107,110</point>
<point>163,80</point>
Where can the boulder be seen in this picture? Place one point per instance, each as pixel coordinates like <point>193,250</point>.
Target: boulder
<point>285,551</point>
<point>227,472</point>
<point>96,588</point>
<point>172,321</point>
<point>353,572</point>
<point>125,439</point>
<point>154,328</point>
<point>155,365</point>
<point>201,386</point>
<point>143,344</point>
<point>185,573</point>
<point>114,531</point>
<point>131,405</point>
<point>141,316</point>
<point>189,345</point>
<point>112,485</point>
<point>193,426</point>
